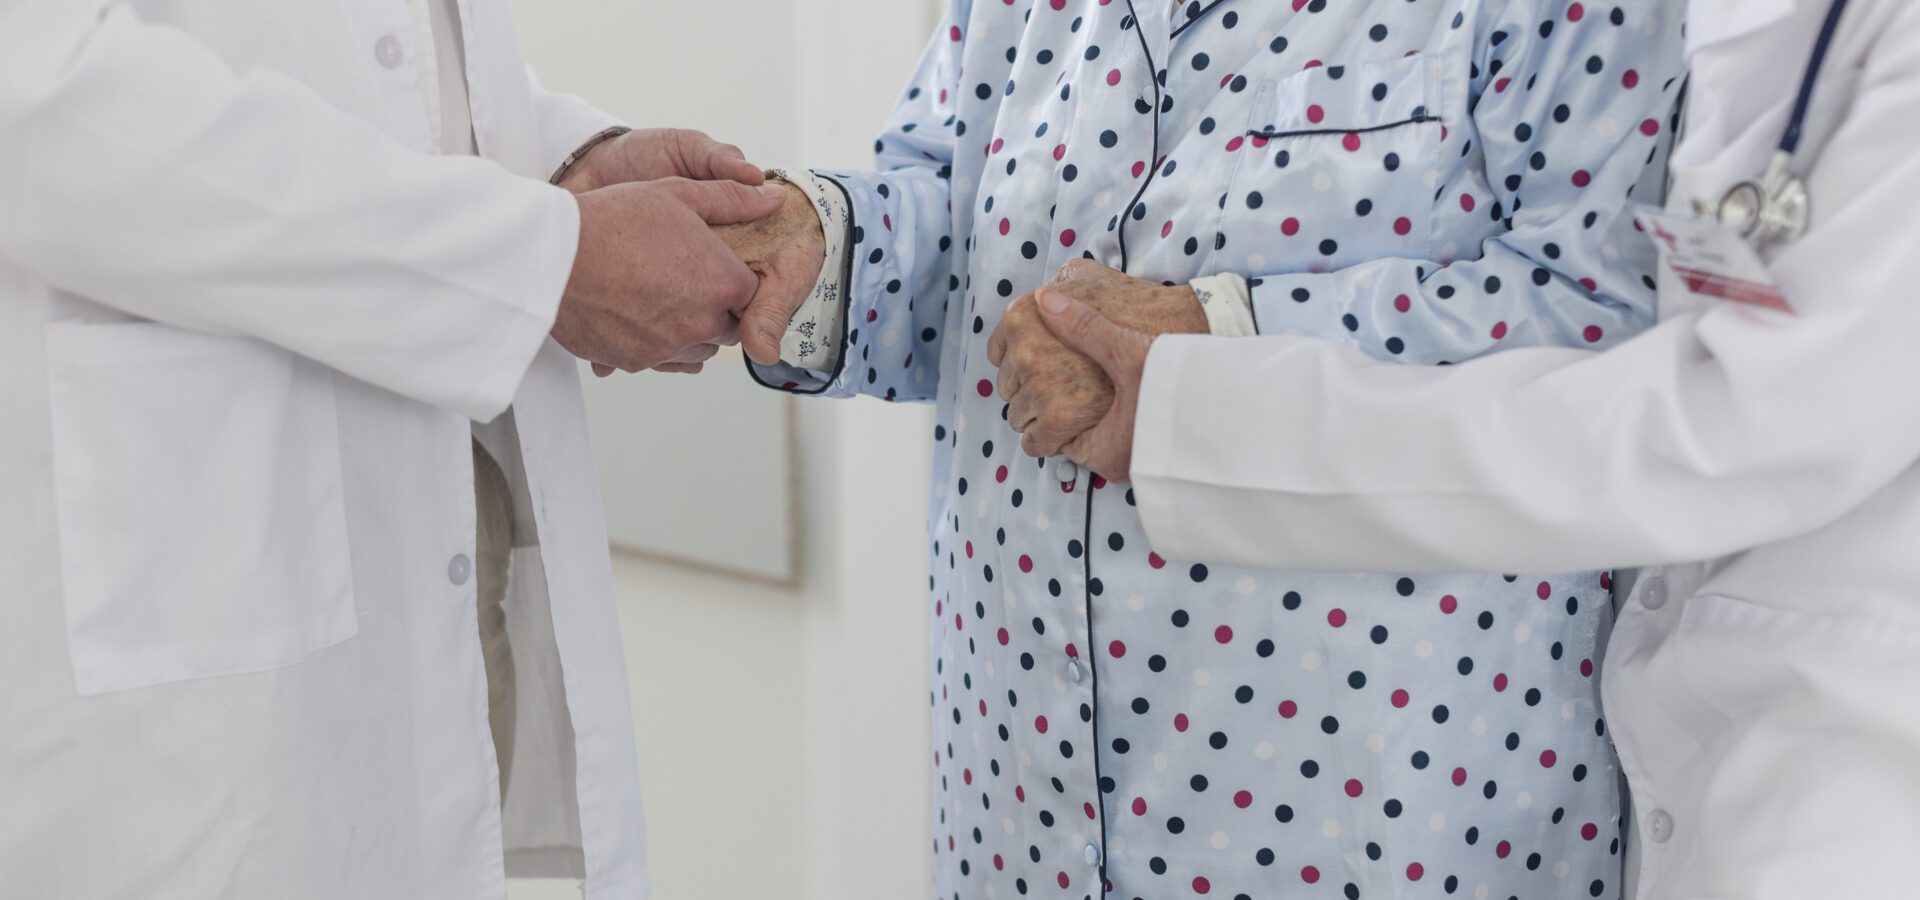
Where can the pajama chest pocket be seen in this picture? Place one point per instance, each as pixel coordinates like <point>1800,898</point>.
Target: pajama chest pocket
<point>202,528</point>
<point>1335,169</point>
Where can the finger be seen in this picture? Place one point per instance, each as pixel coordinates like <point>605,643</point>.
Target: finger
<point>602,370</point>
<point>698,353</point>
<point>1040,443</point>
<point>997,345</point>
<point>679,368</point>
<point>1021,413</point>
<point>1083,329</point>
<point>727,202</point>
<point>727,161</point>
<point>764,324</point>
<point>1009,380</point>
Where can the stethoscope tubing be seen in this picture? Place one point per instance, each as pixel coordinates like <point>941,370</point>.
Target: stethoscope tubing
<point>1790,141</point>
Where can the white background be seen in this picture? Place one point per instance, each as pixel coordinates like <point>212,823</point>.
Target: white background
<point>783,733</point>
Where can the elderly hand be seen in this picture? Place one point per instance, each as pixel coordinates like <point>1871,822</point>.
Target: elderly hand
<point>786,250</point>
<point>1106,448</point>
<point>1055,394</point>
<point>655,153</point>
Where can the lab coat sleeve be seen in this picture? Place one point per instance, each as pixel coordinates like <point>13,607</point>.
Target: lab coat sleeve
<point>899,278</point>
<point>1564,150</point>
<point>566,121</point>
<point>1715,432</point>
<point>140,172</point>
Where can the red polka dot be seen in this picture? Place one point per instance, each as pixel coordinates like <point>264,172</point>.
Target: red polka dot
<point>1448,604</point>
<point>1543,590</point>
<point>1180,723</point>
<point>1466,202</point>
<point>1402,303</point>
<point>1310,875</point>
<point>1336,617</point>
<point>1290,226</point>
<point>1354,787</point>
<point>1243,799</point>
<point>1586,668</point>
<point>954,33</point>
<point>1576,12</point>
<point>985,388</point>
<point>1154,560</point>
<point>1459,777</point>
<point>1040,724</point>
<point>999,865</point>
<point>1403,226</point>
<point>1315,114</point>
<point>1005,226</point>
<point>1138,168</point>
<point>1499,330</point>
<point>1589,831</point>
<point>1582,178</point>
<point>1166,229</point>
<point>1005,638</point>
<point>1113,77</point>
<point>1351,142</point>
<point>1086,809</point>
<point>1139,806</point>
<point>1288,709</point>
<point>1593,334</point>
<point>1414,871</point>
<point>1067,238</point>
<point>1201,885</point>
<point>1503,849</point>
<point>1500,87</point>
<point>1064,881</point>
<point>1117,649</point>
<point>1400,698</point>
<point>1223,634</point>
<point>1548,758</point>
<point>1650,127</point>
<point>1630,80</point>
<point>1000,475</point>
<point>1059,152</point>
<point>1026,563</point>
<point>1500,682</point>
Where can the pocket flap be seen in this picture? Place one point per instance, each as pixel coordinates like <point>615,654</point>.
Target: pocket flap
<point>1352,98</point>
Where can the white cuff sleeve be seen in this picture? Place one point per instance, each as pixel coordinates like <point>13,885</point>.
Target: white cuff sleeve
<point>813,340</point>
<point>1229,305</point>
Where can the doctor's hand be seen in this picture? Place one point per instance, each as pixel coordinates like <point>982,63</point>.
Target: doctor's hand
<point>1121,353</point>
<point>1054,393</point>
<point>651,284</point>
<point>656,153</point>
<point>786,250</point>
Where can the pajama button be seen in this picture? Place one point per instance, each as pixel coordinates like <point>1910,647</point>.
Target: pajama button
<point>1659,826</point>
<point>1655,594</point>
<point>1093,855</point>
<point>458,569</point>
<point>1069,471</point>
<point>1073,671</point>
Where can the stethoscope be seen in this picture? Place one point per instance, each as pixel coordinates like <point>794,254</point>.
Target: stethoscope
<point>1776,208</point>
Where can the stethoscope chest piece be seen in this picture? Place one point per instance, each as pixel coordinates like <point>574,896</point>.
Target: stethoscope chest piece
<point>1770,211</point>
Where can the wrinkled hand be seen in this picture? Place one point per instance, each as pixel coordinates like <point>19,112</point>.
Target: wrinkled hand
<point>786,251</point>
<point>656,153</point>
<point>651,285</point>
<point>1055,394</point>
<point>1107,447</point>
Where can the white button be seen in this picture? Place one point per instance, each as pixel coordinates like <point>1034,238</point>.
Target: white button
<point>1093,855</point>
<point>389,52</point>
<point>1654,595</point>
<point>459,569</point>
<point>1069,471</point>
<point>1074,671</point>
<point>1659,826</point>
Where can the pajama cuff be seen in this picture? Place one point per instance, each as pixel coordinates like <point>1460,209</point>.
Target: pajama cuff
<point>813,335</point>
<point>1228,303</point>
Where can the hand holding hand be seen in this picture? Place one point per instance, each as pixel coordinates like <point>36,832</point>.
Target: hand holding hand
<point>655,153</point>
<point>651,284</point>
<point>786,250</point>
<point>1055,394</point>
<point>1107,447</point>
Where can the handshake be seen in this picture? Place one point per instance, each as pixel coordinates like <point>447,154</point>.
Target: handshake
<point>684,247</point>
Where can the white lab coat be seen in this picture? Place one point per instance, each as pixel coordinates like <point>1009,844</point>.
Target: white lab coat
<point>1766,701</point>
<point>247,322</point>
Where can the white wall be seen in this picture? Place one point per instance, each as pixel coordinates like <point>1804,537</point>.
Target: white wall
<point>783,733</point>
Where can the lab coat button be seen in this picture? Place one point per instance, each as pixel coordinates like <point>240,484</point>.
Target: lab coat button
<point>1074,672</point>
<point>1093,855</point>
<point>459,569</point>
<point>1659,826</point>
<point>1654,596</point>
<point>389,52</point>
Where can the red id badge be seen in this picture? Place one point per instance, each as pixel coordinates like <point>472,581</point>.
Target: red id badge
<point>1710,260</point>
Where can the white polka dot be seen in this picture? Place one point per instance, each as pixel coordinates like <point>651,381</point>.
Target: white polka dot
<point>1159,762</point>
<point>1256,263</point>
<point>1042,521</point>
<point>1605,126</point>
<point>1523,800</point>
<point>1560,869</point>
<point>1479,727</point>
<point>1263,750</point>
<point>981,508</point>
<point>1103,199</point>
<point>1330,828</point>
<point>1322,181</point>
<point>1136,603</point>
<point>1437,821</point>
<point>1432,179</point>
<point>1568,710</point>
<point>1202,677</point>
<point>1310,662</point>
<point>1423,648</point>
<point>1006,825</point>
<point>1376,742</point>
<point>1522,632</point>
<point>1245,585</point>
<point>1480,892</point>
<point>1219,840</point>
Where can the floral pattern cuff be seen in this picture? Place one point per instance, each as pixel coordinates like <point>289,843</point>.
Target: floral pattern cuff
<point>814,333</point>
<point>1229,305</point>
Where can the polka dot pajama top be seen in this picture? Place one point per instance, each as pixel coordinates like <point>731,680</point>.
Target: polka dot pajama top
<point>1427,180</point>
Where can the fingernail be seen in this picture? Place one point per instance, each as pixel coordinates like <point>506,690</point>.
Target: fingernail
<point>1053,301</point>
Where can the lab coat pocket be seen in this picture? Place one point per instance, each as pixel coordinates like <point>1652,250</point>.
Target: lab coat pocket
<point>1334,167</point>
<point>202,527</point>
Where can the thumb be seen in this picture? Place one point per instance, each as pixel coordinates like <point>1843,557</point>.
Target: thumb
<point>727,202</point>
<point>1084,330</point>
<point>762,325</point>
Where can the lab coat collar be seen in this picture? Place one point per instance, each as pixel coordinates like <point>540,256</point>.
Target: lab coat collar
<point>1712,22</point>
